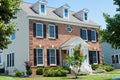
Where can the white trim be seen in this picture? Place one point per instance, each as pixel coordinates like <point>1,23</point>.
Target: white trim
<point>42,31</point>
<point>86,34</point>
<point>63,22</point>
<point>95,36</point>
<point>41,56</point>
<point>54,31</point>
<point>50,57</point>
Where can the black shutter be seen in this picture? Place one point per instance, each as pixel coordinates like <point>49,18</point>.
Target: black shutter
<point>35,57</point>
<point>90,57</point>
<point>8,60</point>
<point>96,36</point>
<point>44,30</point>
<point>81,33</point>
<point>98,57</point>
<point>89,35</point>
<point>56,29</point>
<point>57,57</point>
<point>113,59</point>
<point>48,60</point>
<point>34,29</point>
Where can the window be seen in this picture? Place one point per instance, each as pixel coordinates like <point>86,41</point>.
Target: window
<point>69,29</point>
<point>84,34</point>
<point>115,59</point>
<point>10,60</point>
<point>13,36</point>
<point>42,9</point>
<point>1,57</point>
<point>85,16</point>
<point>39,57</point>
<point>93,35</point>
<point>39,30</point>
<point>52,56</point>
<point>52,31</point>
<point>95,56</point>
<point>66,13</point>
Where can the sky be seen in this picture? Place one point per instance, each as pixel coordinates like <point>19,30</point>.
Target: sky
<point>96,8</point>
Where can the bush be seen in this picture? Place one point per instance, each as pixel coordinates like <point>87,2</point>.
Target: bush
<point>107,68</point>
<point>18,74</point>
<point>95,66</point>
<point>54,72</point>
<point>100,70</point>
<point>29,72</point>
<point>39,71</point>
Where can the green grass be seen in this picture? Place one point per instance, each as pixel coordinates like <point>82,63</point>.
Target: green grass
<point>105,76</point>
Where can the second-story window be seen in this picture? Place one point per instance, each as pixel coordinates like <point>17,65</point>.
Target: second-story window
<point>42,9</point>
<point>52,31</point>
<point>39,30</point>
<point>84,35</point>
<point>66,13</point>
<point>93,35</point>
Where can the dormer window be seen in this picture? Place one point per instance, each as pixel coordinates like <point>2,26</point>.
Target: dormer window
<point>85,16</point>
<point>66,13</point>
<point>42,9</point>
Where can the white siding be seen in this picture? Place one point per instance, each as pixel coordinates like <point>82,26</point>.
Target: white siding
<point>107,52</point>
<point>20,46</point>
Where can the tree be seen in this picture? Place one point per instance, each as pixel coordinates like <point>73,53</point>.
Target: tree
<point>112,32</point>
<point>76,60</point>
<point>8,9</point>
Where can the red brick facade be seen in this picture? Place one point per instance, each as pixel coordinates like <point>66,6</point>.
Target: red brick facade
<point>63,36</point>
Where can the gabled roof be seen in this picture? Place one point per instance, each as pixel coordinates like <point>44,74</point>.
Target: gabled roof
<point>73,42</point>
<point>52,16</point>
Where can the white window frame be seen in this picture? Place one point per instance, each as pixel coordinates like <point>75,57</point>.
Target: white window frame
<point>50,58</point>
<point>95,36</point>
<point>37,56</point>
<point>40,9</point>
<point>86,34</point>
<point>85,16</point>
<point>54,31</point>
<point>42,31</point>
<point>96,58</point>
<point>115,58</point>
<point>64,13</point>
<point>70,28</point>
<point>1,55</point>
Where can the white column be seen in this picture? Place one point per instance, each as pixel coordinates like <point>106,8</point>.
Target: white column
<point>61,57</point>
<point>70,51</point>
<point>86,54</point>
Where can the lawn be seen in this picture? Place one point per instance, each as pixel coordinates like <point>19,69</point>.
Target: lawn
<point>105,76</point>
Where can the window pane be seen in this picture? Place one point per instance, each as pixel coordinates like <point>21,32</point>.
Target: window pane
<point>84,34</point>
<point>113,59</point>
<point>39,56</point>
<point>66,13</point>
<point>52,31</point>
<point>42,8</point>
<point>39,30</point>
<point>52,56</point>
<point>12,59</point>
<point>8,60</point>
<point>94,57</point>
<point>52,60</point>
<point>40,60</point>
<point>93,35</point>
<point>85,16</point>
<point>116,58</point>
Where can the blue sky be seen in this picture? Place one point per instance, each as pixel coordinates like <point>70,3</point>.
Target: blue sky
<point>96,7</point>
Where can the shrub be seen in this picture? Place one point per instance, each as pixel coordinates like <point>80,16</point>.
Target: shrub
<point>54,72</point>
<point>107,68</point>
<point>39,71</point>
<point>100,70</point>
<point>95,66</point>
<point>29,72</point>
<point>18,74</point>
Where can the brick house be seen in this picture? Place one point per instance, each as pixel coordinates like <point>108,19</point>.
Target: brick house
<point>45,35</point>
